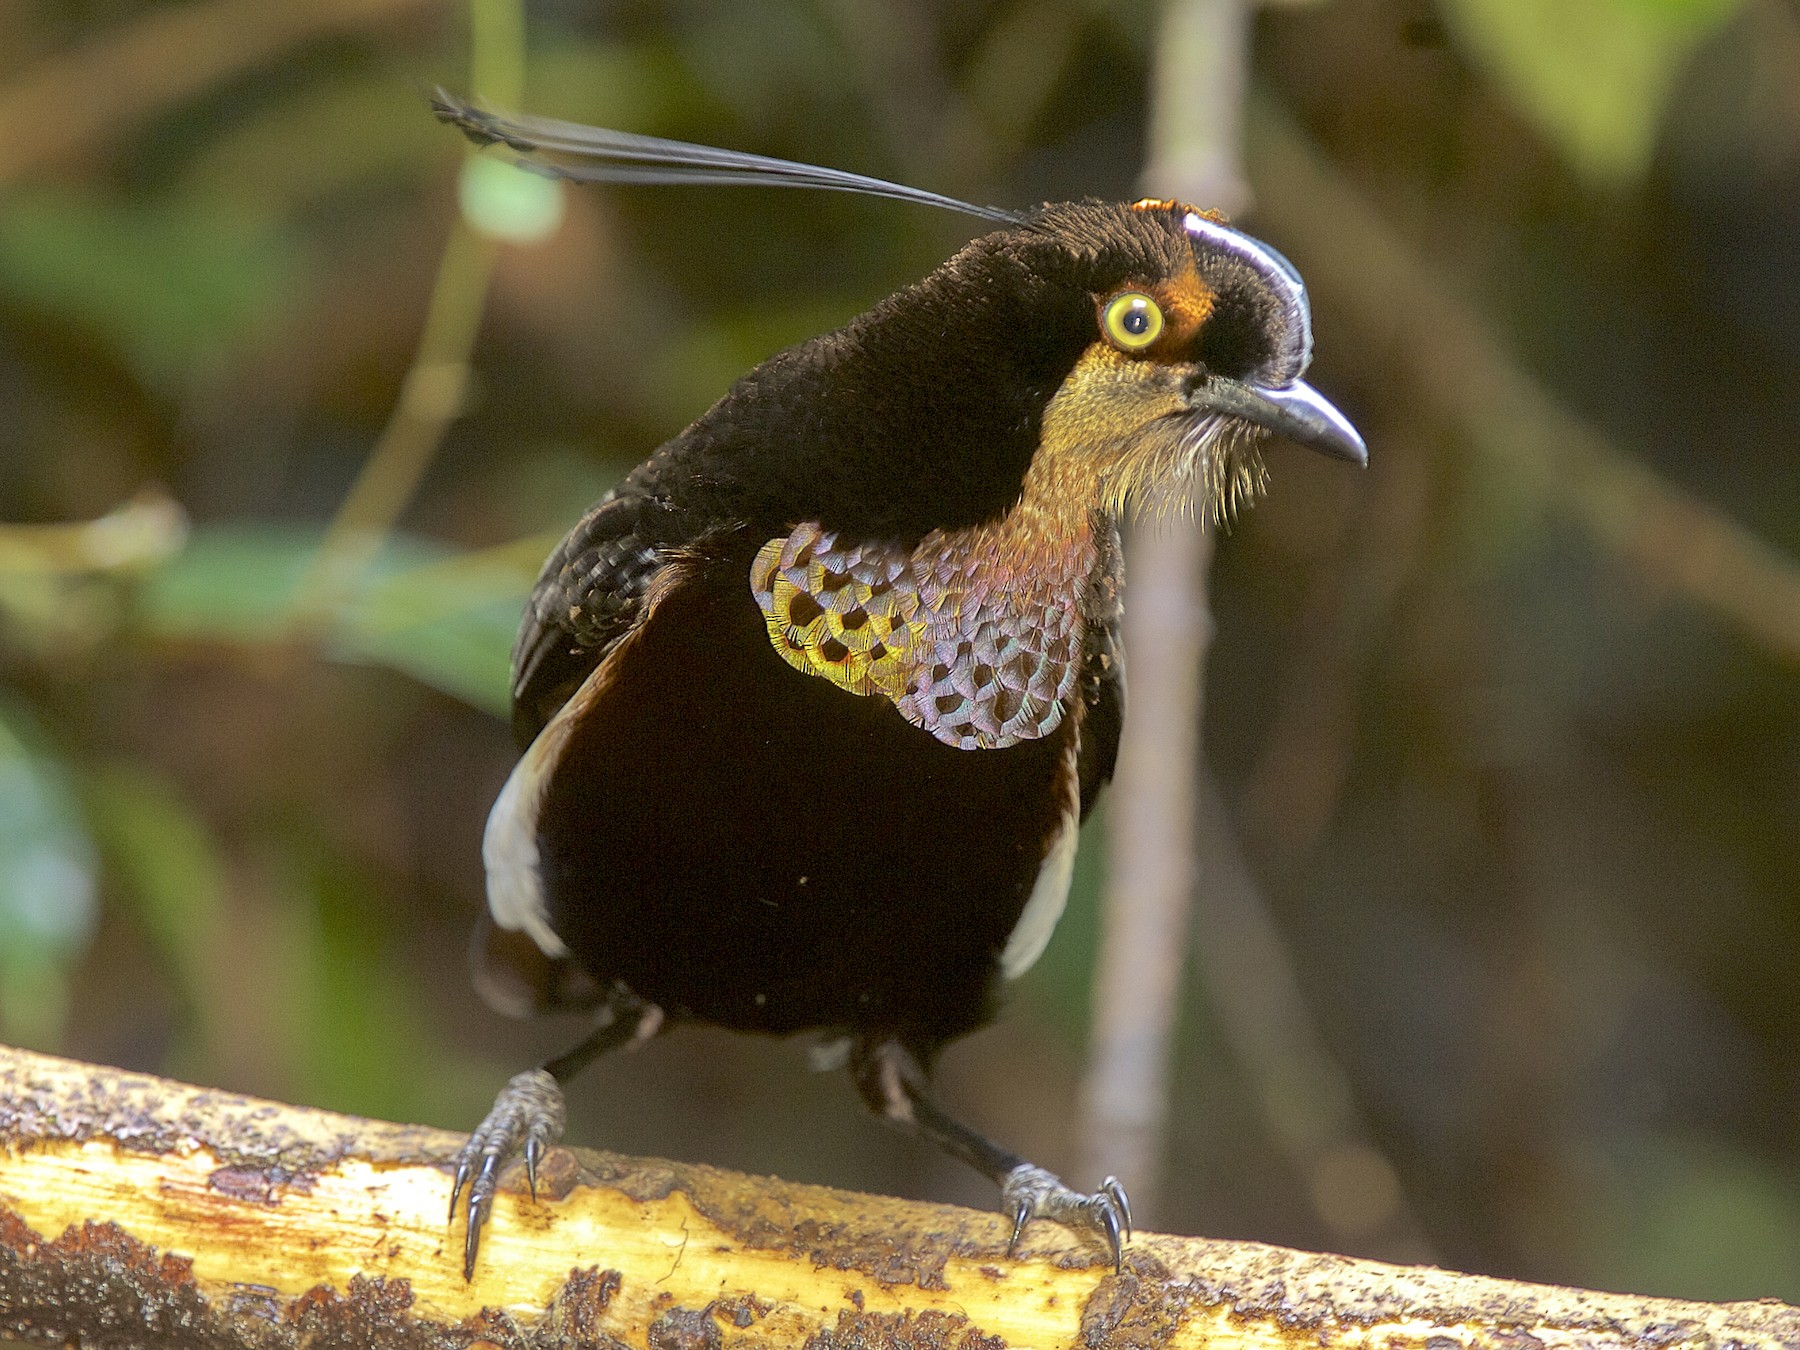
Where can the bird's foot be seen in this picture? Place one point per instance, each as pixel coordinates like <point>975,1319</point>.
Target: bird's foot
<point>1029,1192</point>
<point>527,1117</point>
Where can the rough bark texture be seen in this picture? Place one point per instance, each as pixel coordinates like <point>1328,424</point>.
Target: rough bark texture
<point>137,1211</point>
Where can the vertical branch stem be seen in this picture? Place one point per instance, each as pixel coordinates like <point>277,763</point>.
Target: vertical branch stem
<point>431,398</point>
<point>1198,96</point>
<point>1150,864</point>
<point>436,387</point>
<point>497,51</point>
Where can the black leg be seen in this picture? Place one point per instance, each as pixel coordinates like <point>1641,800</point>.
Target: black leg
<point>528,1115</point>
<point>892,1083</point>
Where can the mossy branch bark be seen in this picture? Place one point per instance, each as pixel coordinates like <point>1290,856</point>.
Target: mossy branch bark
<point>138,1211</point>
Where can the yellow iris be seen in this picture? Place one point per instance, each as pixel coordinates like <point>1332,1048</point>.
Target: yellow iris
<point>1131,321</point>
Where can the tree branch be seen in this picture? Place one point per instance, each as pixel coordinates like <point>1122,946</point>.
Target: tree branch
<point>1151,864</point>
<point>138,1211</point>
<point>70,104</point>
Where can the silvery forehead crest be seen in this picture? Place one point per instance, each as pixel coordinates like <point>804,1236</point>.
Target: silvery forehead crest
<point>1250,264</point>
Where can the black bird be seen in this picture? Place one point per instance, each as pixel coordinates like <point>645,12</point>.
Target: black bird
<point>815,700</point>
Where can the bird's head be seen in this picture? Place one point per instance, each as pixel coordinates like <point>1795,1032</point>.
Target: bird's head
<point>1193,341</point>
<point>1108,354</point>
<point>1116,355</point>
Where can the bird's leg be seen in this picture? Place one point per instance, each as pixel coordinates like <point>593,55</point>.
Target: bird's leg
<point>892,1083</point>
<point>528,1115</point>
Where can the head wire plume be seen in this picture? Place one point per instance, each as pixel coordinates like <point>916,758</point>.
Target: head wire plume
<point>584,154</point>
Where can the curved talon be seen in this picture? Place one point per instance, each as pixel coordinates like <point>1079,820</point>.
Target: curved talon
<point>1107,1216</point>
<point>457,1183</point>
<point>471,1246</point>
<point>1114,1190</point>
<point>1021,1211</point>
<point>1030,1192</point>
<point>527,1118</point>
<point>481,1204</point>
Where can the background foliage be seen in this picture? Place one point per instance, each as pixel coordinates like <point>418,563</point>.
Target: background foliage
<point>1510,741</point>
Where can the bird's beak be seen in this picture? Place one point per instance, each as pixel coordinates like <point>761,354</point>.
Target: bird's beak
<point>1298,412</point>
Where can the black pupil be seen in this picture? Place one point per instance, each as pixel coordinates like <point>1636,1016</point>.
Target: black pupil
<point>1136,322</point>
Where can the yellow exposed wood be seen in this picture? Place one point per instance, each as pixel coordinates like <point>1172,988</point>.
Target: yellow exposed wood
<point>148,1212</point>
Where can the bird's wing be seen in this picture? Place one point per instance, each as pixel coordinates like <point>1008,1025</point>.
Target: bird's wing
<point>517,978</point>
<point>590,594</point>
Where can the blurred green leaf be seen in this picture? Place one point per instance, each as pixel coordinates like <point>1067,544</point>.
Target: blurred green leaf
<point>466,655</point>
<point>174,288</point>
<point>363,132</point>
<point>1593,75</point>
<point>47,885</point>
<point>1699,1219</point>
<point>232,583</point>
<point>450,623</point>
<point>505,202</point>
<point>447,619</point>
<point>174,878</point>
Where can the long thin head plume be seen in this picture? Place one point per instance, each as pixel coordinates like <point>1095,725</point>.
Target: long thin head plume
<point>585,154</point>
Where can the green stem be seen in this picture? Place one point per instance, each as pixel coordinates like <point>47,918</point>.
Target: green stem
<point>436,387</point>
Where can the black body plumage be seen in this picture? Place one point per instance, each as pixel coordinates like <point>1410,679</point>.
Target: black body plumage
<point>739,843</point>
<point>814,701</point>
<point>922,414</point>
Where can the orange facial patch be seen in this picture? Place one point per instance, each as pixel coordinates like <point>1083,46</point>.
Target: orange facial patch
<point>1180,208</point>
<point>1185,299</point>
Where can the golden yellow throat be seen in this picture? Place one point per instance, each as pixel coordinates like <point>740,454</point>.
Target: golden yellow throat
<point>976,634</point>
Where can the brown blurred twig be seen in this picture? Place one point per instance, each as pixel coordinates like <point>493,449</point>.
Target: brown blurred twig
<point>74,103</point>
<point>1174,860</point>
<point>1466,377</point>
<point>1469,382</point>
<point>431,398</point>
<point>1198,90</point>
<point>149,529</point>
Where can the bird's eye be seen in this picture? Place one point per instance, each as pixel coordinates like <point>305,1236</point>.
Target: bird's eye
<point>1131,321</point>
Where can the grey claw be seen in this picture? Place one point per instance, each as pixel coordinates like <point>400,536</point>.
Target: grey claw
<point>1021,1211</point>
<point>471,1246</point>
<point>1113,1190</point>
<point>1107,1216</point>
<point>527,1117</point>
<point>481,1204</point>
<point>457,1183</point>
<point>1029,1192</point>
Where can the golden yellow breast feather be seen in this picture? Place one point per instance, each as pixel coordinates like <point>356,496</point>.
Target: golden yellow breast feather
<point>978,652</point>
<point>976,634</point>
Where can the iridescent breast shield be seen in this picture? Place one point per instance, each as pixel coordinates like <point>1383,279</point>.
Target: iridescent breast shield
<point>971,636</point>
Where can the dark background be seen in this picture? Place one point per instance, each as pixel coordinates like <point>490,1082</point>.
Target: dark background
<point>1506,727</point>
